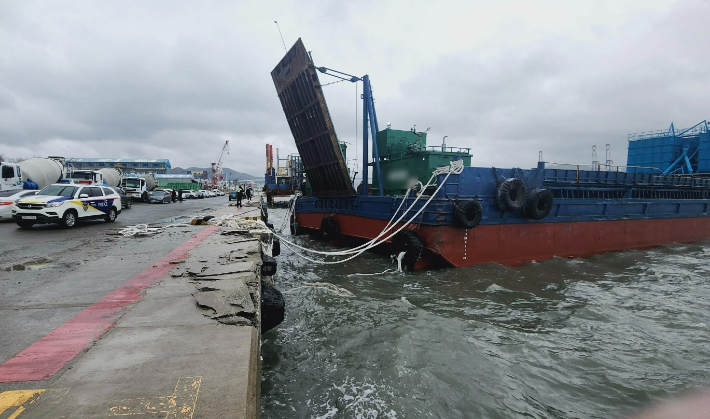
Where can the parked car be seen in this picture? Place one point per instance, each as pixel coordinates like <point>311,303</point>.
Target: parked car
<point>169,192</point>
<point>233,195</point>
<point>188,194</point>
<point>7,198</point>
<point>126,200</point>
<point>67,204</point>
<point>159,197</point>
<point>201,194</point>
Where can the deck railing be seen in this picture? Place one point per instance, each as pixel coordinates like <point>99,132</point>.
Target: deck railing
<point>592,174</point>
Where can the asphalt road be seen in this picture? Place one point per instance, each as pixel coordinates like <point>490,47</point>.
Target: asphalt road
<point>20,246</point>
<point>49,274</point>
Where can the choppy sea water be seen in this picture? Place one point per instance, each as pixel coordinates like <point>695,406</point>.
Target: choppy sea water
<point>566,338</point>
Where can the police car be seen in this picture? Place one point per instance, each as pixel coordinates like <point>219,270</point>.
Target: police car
<point>65,204</point>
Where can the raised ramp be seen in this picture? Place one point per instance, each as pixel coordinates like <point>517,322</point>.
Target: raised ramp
<point>302,99</point>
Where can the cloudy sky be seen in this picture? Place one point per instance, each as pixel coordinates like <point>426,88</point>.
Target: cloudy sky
<point>176,79</point>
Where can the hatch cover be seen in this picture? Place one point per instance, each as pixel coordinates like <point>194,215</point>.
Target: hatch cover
<point>302,99</point>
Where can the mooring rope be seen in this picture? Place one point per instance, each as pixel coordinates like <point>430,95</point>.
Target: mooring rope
<point>455,167</point>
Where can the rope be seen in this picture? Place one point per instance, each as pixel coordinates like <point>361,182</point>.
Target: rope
<point>333,82</point>
<point>144,230</point>
<point>373,274</point>
<point>456,167</point>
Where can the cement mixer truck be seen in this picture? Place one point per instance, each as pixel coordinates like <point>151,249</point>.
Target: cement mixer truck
<point>103,177</point>
<point>35,173</point>
<point>137,185</point>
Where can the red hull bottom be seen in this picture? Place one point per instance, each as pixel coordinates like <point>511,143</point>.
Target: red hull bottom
<point>513,244</point>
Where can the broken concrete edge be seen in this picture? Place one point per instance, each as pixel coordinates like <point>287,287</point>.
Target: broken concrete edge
<point>226,272</point>
<point>229,286</point>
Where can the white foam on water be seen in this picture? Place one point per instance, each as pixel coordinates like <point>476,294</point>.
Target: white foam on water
<point>404,300</point>
<point>496,288</point>
<point>330,287</point>
<point>354,399</point>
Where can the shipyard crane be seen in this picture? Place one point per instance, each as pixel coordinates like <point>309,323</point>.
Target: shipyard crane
<point>217,173</point>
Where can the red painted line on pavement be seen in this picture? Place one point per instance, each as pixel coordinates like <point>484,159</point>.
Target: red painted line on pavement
<point>44,358</point>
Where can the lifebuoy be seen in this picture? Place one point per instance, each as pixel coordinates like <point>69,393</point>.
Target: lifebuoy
<point>407,241</point>
<point>468,214</point>
<point>539,204</point>
<point>510,195</point>
<point>329,228</point>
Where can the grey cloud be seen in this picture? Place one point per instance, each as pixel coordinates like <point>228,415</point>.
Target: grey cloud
<point>176,79</point>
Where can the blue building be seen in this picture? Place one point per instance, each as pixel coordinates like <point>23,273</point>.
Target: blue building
<point>158,166</point>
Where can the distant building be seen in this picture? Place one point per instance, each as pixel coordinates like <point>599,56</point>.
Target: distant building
<point>158,166</point>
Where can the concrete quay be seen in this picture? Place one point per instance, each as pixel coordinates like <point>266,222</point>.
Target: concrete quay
<point>187,347</point>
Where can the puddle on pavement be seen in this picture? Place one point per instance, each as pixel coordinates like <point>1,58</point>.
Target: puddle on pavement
<point>36,266</point>
<point>175,220</point>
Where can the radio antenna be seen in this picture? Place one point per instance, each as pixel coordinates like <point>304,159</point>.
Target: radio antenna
<point>282,36</point>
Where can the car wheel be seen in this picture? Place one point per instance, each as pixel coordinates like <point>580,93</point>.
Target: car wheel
<point>69,219</point>
<point>25,224</point>
<point>111,217</point>
<point>128,204</point>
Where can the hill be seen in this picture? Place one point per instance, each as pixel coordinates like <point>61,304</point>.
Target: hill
<point>229,173</point>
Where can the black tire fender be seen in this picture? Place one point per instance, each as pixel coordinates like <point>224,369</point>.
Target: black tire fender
<point>510,195</point>
<point>276,247</point>
<point>273,307</point>
<point>407,241</point>
<point>264,214</point>
<point>468,214</point>
<point>539,204</point>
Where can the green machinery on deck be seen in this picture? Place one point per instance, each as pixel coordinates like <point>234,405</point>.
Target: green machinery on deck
<point>406,159</point>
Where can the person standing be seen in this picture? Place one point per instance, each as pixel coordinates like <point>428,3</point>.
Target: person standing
<point>249,193</point>
<point>180,195</point>
<point>240,196</point>
<point>173,195</point>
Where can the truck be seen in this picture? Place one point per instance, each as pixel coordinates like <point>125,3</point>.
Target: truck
<point>102,177</point>
<point>35,173</point>
<point>137,185</point>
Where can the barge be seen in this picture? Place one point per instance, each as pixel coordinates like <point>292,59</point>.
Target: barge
<point>432,208</point>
